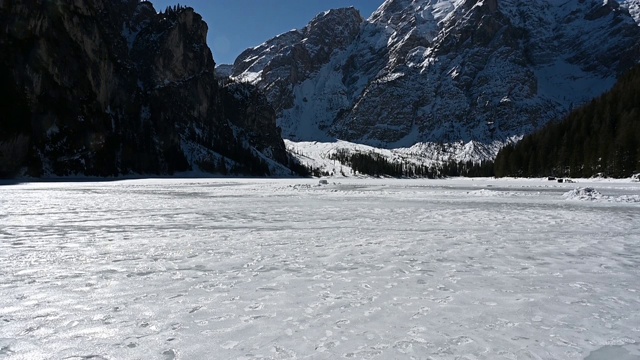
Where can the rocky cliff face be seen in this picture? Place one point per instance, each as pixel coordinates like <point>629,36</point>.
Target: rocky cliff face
<point>109,87</point>
<point>443,70</point>
<point>283,63</point>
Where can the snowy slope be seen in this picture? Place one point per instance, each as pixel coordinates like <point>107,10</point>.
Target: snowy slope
<point>446,71</point>
<point>633,6</point>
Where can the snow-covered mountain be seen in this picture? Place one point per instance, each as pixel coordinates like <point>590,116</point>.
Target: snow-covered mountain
<point>451,71</point>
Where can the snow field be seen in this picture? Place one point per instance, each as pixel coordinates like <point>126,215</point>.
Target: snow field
<point>290,269</point>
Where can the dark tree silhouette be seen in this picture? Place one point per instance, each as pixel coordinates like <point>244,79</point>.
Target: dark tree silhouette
<point>602,137</point>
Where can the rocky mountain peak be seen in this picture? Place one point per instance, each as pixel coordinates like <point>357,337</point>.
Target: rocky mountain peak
<point>448,70</point>
<point>173,43</point>
<point>304,49</point>
<point>333,29</point>
<point>397,13</point>
<point>295,56</point>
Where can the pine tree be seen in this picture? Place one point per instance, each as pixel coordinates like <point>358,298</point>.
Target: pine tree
<point>601,137</point>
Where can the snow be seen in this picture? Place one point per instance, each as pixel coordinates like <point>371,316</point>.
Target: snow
<point>591,194</point>
<point>390,77</point>
<point>633,6</point>
<point>317,154</point>
<point>356,268</point>
<point>313,101</point>
<point>249,77</point>
<point>563,81</point>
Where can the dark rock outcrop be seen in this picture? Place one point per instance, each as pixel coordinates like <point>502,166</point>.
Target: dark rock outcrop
<point>111,87</point>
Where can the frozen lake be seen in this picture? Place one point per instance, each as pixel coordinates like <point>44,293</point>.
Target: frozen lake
<point>288,269</point>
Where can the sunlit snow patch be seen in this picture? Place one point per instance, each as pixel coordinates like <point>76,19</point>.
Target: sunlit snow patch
<point>591,194</point>
<point>584,194</point>
<point>491,193</point>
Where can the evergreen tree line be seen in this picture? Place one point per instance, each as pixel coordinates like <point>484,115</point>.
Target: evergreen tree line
<point>170,10</point>
<point>374,164</point>
<point>600,138</point>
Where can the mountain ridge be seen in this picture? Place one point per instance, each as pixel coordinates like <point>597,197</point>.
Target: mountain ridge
<point>448,71</point>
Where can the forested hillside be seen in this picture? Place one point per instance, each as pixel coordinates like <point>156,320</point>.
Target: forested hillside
<point>601,137</point>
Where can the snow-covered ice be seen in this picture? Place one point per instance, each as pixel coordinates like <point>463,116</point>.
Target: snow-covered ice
<point>591,194</point>
<point>355,268</point>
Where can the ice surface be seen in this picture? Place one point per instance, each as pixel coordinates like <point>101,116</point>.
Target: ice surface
<point>356,268</point>
<point>612,352</point>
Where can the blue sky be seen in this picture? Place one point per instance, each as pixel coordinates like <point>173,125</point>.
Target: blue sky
<point>235,25</point>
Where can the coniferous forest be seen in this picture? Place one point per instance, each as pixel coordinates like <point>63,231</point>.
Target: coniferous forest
<point>374,164</point>
<point>600,138</point>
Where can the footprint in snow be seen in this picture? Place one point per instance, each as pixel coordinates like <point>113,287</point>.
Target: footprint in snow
<point>169,354</point>
<point>422,312</point>
<point>403,346</point>
<point>254,307</point>
<point>460,340</point>
<point>229,345</point>
<point>417,330</point>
